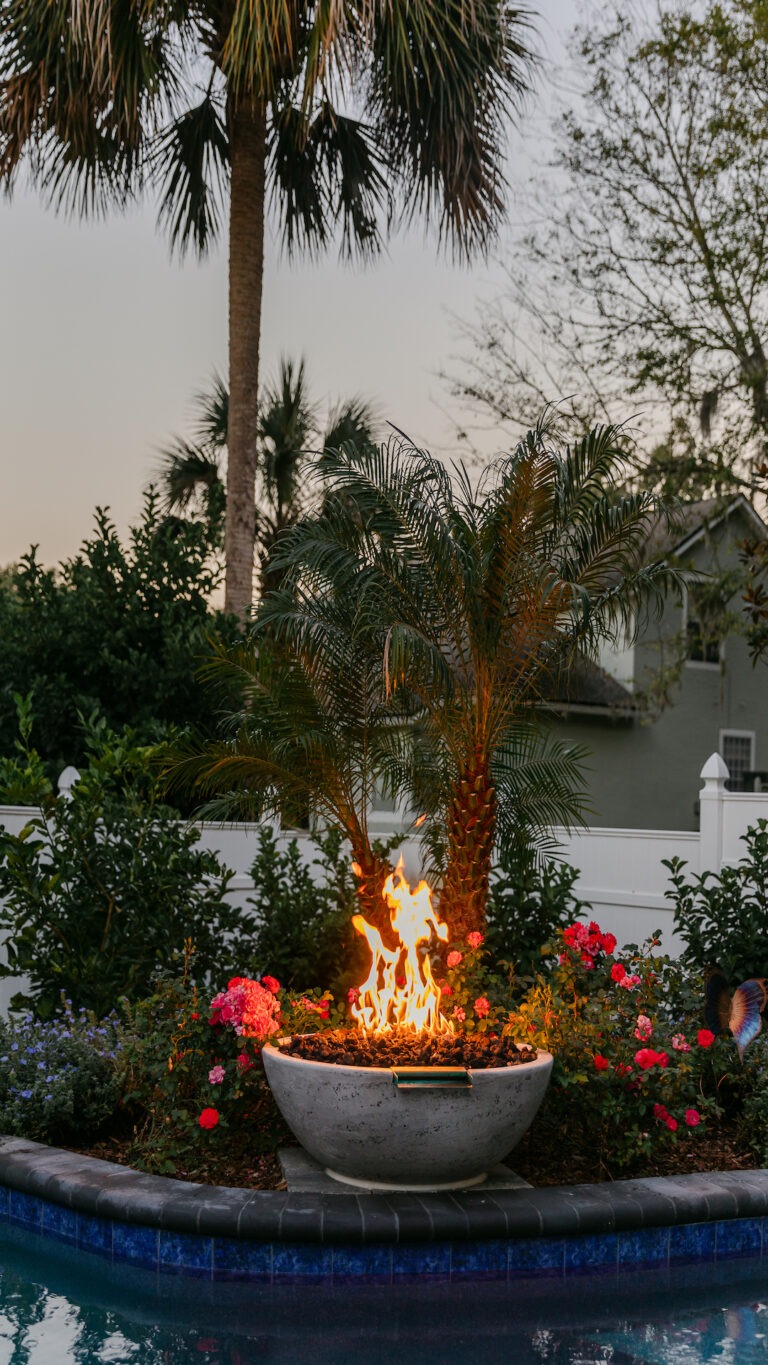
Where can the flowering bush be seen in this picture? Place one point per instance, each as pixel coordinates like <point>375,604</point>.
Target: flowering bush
<point>196,1080</point>
<point>632,1066</point>
<point>60,1080</point>
<point>475,996</point>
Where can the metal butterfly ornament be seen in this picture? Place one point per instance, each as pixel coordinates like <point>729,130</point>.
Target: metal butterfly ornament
<point>741,1013</point>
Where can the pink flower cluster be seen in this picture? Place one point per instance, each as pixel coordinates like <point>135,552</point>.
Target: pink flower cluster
<point>249,1007</point>
<point>622,977</point>
<point>588,941</point>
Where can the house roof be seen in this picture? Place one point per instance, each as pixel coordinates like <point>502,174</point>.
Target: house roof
<point>692,521</point>
<point>584,686</point>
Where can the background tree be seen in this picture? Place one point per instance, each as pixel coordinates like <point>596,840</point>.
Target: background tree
<point>647,275</point>
<point>290,439</point>
<point>475,595</point>
<point>349,117</point>
<point>120,629</point>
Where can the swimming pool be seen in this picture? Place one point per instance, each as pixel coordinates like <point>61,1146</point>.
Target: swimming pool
<point>57,1307</point>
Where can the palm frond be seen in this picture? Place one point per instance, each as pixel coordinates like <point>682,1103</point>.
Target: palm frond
<point>190,158</point>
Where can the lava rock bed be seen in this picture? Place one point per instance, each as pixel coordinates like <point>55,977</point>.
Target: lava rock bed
<point>352,1047</point>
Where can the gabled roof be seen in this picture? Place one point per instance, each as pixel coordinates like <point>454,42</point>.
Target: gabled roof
<point>693,520</point>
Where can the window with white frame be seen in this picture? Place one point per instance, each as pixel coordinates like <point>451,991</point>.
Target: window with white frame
<point>737,748</point>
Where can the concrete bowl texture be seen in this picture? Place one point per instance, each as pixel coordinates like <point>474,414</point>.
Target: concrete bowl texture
<point>363,1130</point>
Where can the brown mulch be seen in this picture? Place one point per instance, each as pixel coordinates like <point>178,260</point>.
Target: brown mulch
<point>552,1158</point>
<point>351,1047</point>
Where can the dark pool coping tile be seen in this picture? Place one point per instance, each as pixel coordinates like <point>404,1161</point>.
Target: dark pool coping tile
<point>102,1190</point>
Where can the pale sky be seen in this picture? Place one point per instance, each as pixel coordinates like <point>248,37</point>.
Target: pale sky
<point>105,339</point>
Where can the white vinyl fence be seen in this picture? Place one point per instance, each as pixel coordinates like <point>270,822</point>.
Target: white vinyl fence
<point>620,870</point>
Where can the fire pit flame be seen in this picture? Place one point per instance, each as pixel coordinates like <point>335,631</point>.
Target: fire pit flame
<point>400,990</point>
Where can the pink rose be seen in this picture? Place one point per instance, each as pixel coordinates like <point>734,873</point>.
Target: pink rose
<point>216,1075</point>
<point>482,1006</point>
<point>453,959</point>
<point>692,1118</point>
<point>474,939</point>
<point>679,1043</point>
<point>458,1013</point>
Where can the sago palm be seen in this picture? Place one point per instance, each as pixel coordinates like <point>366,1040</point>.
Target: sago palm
<point>346,117</point>
<point>478,593</point>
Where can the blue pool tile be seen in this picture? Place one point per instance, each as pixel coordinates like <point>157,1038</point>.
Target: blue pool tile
<point>362,1265</point>
<point>644,1248</point>
<point>421,1261</point>
<point>25,1209</point>
<point>181,1253</point>
<point>692,1242</point>
<point>543,1256</point>
<point>136,1245</point>
<point>60,1223</point>
<point>586,1254</point>
<point>236,1260</point>
<point>4,1194</point>
<point>485,1260</point>
<point>94,1235</point>
<point>301,1263</point>
<point>739,1237</point>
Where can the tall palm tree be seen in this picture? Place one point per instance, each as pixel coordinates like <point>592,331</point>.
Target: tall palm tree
<point>290,441</point>
<point>479,594</point>
<point>348,116</point>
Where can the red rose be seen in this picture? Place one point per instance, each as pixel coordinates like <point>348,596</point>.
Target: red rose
<point>705,1038</point>
<point>645,1058</point>
<point>660,1112</point>
<point>209,1118</point>
<point>671,1123</point>
<point>270,984</point>
<point>618,972</point>
<point>609,942</point>
<point>601,1063</point>
<point>662,1059</point>
<point>194,1016</point>
<point>692,1117</point>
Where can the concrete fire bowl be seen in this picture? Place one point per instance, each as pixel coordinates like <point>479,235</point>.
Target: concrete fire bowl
<point>365,1131</point>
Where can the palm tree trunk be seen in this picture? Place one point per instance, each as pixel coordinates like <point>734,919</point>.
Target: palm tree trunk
<point>246,270</point>
<point>373,873</point>
<point>471,836</point>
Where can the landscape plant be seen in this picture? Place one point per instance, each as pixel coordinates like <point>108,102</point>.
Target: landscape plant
<point>634,1068</point>
<point>722,917</point>
<point>119,630</point>
<point>469,599</point>
<point>60,1079</point>
<point>99,890</point>
<point>530,898</point>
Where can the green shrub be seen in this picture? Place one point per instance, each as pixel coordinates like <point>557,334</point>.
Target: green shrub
<point>23,777</point>
<point>722,917</point>
<point>303,931</point>
<point>60,1080</point>
<point>98,894</point>
<point>119,629</point>
<point>531,897</point>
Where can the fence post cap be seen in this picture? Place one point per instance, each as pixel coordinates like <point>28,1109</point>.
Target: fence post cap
<point>67,779</point>
<point>715,771</point>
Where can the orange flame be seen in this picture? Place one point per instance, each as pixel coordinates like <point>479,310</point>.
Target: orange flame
<point>400,990</point>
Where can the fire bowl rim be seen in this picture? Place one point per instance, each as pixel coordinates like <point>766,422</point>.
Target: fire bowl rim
<point>541,1056</point>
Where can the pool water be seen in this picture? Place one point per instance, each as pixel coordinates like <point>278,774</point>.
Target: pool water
<point>57,1307</point>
